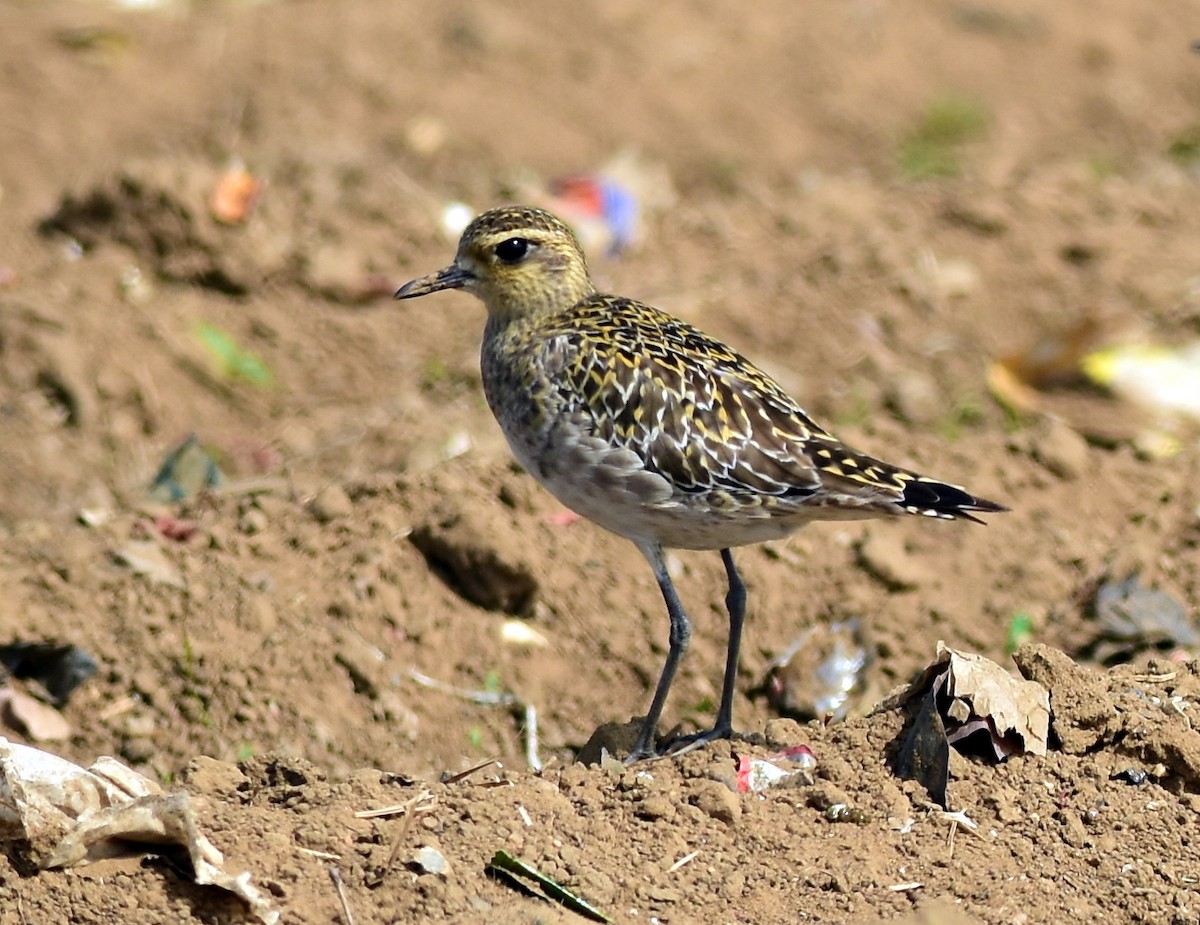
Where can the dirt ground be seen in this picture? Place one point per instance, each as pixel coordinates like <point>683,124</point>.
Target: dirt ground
<point>873,201</point>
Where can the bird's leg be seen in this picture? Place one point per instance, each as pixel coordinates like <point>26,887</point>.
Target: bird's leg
<point>735,603</point>
<point>681,632</point>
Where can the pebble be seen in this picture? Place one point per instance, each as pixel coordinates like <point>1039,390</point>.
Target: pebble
<point>331,503</point>
<point>431,861</point>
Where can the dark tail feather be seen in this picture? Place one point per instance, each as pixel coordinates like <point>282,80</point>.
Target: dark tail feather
<point>938,499</point>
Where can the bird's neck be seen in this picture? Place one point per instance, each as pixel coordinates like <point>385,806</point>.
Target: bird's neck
<point>531,308</point>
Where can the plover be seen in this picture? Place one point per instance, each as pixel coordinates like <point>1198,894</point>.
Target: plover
<point>656,431</point>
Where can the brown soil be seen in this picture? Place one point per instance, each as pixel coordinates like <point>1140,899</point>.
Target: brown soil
<point>266,661</point>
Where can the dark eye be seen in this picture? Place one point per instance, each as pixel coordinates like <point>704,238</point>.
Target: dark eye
<point>514,250</point>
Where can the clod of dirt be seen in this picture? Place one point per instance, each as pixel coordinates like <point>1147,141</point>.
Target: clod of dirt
<point>460,546</point>
<point>884,557</point>
<point>718,801</point>
<point>783,733</point>
<point>1062,450</point>
<point>159,212</point>
<point>1081,712</point>
<point>613,738</point>
<point>363,662</point>
<point>208,775</point>
<point>916,398</point>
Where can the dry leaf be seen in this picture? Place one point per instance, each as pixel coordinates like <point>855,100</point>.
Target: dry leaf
<point>1007,705</point>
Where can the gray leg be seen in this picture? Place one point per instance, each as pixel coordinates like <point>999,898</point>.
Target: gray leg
<point>681,632</point>
<point>735,603</point>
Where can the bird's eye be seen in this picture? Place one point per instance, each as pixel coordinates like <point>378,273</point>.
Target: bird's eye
<point>514,250</point>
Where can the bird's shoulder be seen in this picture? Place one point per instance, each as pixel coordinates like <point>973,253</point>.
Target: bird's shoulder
<point>628,343</point>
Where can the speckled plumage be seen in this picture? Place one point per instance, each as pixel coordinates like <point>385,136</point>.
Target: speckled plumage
<point>651,428</point>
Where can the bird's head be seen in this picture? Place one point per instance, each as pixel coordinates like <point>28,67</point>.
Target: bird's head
<point>518,260</point>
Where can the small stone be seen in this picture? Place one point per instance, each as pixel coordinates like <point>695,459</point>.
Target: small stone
<point>39,721</point>
<point>717,801</point>
<point>431,861</point>
<point>331,503</point>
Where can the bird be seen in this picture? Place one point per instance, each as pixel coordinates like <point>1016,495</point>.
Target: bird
<point>656,431</point>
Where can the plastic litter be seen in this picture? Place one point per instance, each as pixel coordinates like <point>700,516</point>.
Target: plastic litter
<point>67,816</point>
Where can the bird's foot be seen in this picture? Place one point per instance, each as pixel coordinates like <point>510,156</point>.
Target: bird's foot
<point>681,745</point>
<point>677,745</point>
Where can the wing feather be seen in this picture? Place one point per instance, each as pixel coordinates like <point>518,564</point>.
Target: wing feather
<point>708,420</point>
